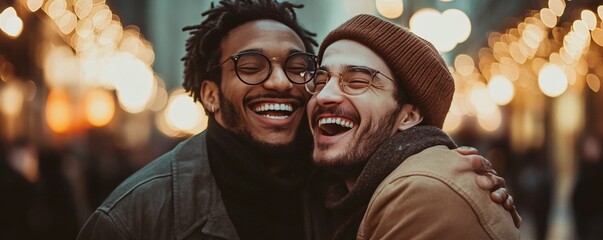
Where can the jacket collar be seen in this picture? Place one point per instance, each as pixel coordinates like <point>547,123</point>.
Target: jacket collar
<point>197,200</point>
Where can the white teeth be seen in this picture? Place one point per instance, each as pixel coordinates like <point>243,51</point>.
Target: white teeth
<point>275,117</point>
<point>339,121</point>
<point>274,107</point>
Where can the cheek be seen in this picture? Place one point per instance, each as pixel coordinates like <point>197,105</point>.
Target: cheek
<point>311,105</point>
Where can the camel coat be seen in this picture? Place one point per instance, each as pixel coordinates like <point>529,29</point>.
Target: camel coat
<point>427,197</point>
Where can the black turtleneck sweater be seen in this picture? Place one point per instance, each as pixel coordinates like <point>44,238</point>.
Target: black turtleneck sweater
<point>261,204</point>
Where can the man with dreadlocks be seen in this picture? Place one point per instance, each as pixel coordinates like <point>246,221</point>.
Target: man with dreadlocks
<point>245,176</point>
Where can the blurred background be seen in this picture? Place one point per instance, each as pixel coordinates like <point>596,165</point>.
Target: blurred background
<point>90,91</point>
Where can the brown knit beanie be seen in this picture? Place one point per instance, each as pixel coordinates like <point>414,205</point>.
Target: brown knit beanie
<point>418,67</point>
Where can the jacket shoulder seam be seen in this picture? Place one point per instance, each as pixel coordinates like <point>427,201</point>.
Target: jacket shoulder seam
<point>108,208</point>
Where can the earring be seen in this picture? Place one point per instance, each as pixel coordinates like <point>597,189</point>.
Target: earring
<point>213,109</point>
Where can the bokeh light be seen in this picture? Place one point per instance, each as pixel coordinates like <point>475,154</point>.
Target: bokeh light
<point>99,106</point>
<point>501,89</point>
<point>552,80</point>
<point>11,99</point>
<point>490,121</point>
<point>548,18</point>
<point>593,82</point>
<point>390,8</point>
<point>443,30</point>
<point>557,6</point>
<point>133,80</point>
<point>182,114</point>
<point>10,23</point>
<point>58,111</point>
<point>34,5</point>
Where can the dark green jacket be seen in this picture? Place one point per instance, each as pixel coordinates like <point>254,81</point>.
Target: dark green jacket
<point>176,197</point>
<point>173,197</point>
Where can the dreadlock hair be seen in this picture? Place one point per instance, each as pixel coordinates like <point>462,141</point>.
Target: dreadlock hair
<point>201,61</point>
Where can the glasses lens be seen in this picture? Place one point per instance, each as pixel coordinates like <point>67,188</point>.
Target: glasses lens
<point>356,80</point>
<point>252,68</point>
<point>300,67</point>
<point>318,82</point>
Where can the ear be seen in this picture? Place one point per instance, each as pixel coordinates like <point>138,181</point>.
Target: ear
<point>209,96</point>
<point>410,116</point>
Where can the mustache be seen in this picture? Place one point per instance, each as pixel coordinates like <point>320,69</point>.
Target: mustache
<point>300,99</point>
<point>337,111</point>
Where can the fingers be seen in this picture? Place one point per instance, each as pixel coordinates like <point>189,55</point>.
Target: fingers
<point>480,164</point>
<point>510,206</point>
<point>490,182</point>
<point>465,150</point>
<point>516,218</point>
<point>501,196</point>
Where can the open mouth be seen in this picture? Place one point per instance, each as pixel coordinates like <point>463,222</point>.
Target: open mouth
<point>278,111</point>
<point>332,126</point>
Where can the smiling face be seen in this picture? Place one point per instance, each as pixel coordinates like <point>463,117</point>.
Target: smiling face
<point>348,129</point>
<point>269,112</point>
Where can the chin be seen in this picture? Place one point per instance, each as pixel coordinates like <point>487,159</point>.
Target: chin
<point>275,139</point>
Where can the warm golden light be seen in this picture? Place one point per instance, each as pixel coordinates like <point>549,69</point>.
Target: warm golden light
<point>100,107</point>
<point>481,101</point>
<point>34,5</point>
<point>183,114</point>
<point>58,111</point>
<point>60,66</point>
<point>600,11</point>
<point>422,22</point>
<point>10,22</point>
<point>133,80</point>
<point>11,99</point>
<point>159,99</point>
<point>501,89</point>
<point>84,28</point>
<point>56,8</point>
<point>390,8</point>
<point>518,52</point>
<point>101,16</point>
<point>597,36</point>
<point>453,119</point>
<point>589,18</point>
<point>557,6</point>
<point>548,17</point>
<point>111,35</point>
<point>552,80</point>
<point>532,36</point>
<point>443,31</point>
<point>490,121</point>
<point>593,81</point>
<point>464,64</point>
<point>458,22</point>
<point>568,112</point>
<point>67,22</point>
<point>82,8</point>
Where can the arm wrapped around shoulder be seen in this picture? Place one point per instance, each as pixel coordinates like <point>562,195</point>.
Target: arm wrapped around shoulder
<point>427,197</point>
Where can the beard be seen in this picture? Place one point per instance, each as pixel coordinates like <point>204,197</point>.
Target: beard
<point>232,120</point>
<point>351,162</point>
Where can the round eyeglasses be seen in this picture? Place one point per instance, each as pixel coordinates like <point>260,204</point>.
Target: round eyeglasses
<point>353,81</point>
<point>254,68</point>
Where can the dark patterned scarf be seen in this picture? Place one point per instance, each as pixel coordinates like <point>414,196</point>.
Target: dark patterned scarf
<point>349,207</point>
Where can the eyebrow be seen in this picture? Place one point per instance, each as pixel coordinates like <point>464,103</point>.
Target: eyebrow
<point>342,66</point>
<point>291,51</point>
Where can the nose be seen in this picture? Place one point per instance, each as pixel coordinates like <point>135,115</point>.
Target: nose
<point>331,94</point>
<point>278,80</point>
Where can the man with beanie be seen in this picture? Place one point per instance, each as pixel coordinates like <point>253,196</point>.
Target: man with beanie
<point>379,101</point>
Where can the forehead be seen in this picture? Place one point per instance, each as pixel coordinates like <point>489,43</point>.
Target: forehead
<point>269,36</point>
<point>348,52</point>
